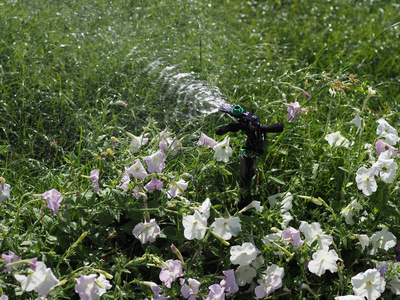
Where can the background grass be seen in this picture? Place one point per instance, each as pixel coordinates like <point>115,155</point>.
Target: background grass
<point>64,65</point>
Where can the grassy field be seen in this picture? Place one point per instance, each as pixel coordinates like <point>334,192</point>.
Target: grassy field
<point>74,74</point>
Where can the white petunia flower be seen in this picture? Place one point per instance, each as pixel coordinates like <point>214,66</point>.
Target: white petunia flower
<point>195,226</point>
<point>313,232</point>
<point>284,200</point>
<point>176,188</point>
<point>136,142</point>
<point>205,207</point>
<point>349,297</point>
<point>386,167</point>
<point>270,280</point>
<point>365,179</point>
<point>222,150</point>
<point>226,228</point>
<point>147,231</point>
<point>382,240</point>
<point>363,239</point>
<point>369,284</point>
<point>349,211</point>
<point>245,275</point>
<point>387,131</point>
<point>358,121</point>
<point>323,260</point>
<point>337,140</point>
<point>244,254</point>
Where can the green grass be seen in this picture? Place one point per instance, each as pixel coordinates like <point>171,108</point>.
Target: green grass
<point>65,65</point>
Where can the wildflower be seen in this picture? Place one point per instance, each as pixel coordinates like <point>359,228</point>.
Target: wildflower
<point>137,142</point>
<point>41,280</point>
<point>91,287</point>
<point>244,254</point>
<point>387,132</point>
<point>226,228</point>
<point>245,274</point>
<point>365,179</point>
<point>94,177</point>
<point>291,235</point>
<point>313,232</point>
<point>4,190</point>
<point>153,185</point>
<point>195,226</point>
<point>323,260</point>
<point>136,170</point>
<point>189,290</point>
<point>53,198</point>
<point>284,200</point>
<point>176,188</point>
<point>206,141</point>
<point>337,140</point>
<point>386,167</point>
<point>146,232</point>
<point>156,162</point>
<point>363,239</point>
<point>381,146</point>
<point>217,292</point>
<point>369,284</point>
<point>382,240</point>
<point>229,283</point>
<point>293,111</point>
<point>270,280</point>
<point>168,143</point>
<point>171,271</point>
<point>10,258</point>
<point>349,211</point>
<point>222,150</point>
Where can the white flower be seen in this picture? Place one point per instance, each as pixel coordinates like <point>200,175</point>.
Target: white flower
<point>349,297</point>
<point>363,239</point>
<point>387,131</point>
<point>349,211</point>
<point>204,208</point>
<point>323,260</point>
<point>222,150</point>
<point>313,232</point>
<point>4,190</point>
<point>369,284</point>
<point>358,121</point>
<point>195,226</point>
<point>382,240</point>
<point>284,200</point>
<point>393,281</point>
<point>270,280</point>
<point>136,142</point>
<point>41,280</point>
<point>176,188</point>
<point>385,167</point>
<point>156,162</point>
<point>146,232</point>
<point>365,179</point>
<point>226,228</point>
<point>336,140</point>
<point>256,205</point>
<point>136,170</point>
<point>245,275</point>
<point>244,254</point>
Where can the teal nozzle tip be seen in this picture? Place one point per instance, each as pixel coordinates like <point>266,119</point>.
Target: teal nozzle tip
<point>237,110</point>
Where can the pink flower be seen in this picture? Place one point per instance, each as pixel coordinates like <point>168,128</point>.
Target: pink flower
<point>382,147</point>
<point>291,235</point>
<point>217,292</point>
<point>153,185</point>
<point>53,198</point>
<point>229,283</point>
<point>146,232</point>
<point>90,287</point>
<point>156,162</point>
<point>94,177</point>
<point>171,271</point>
<point>11,257</point>
<point>125,181</point>
<point>293,111</point>
<point>206,141</point>
<point>136,170</point>
<point>268,286</point>
<point>188,290</point>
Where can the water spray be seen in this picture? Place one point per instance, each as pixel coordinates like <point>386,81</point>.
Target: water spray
<point>256,133</point>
